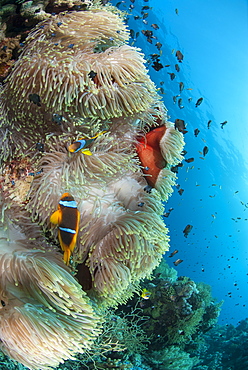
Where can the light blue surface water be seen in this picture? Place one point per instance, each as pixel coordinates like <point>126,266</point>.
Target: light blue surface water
<point>212,35</point>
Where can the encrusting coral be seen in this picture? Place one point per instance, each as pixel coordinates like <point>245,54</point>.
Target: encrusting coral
<point>77,79</point>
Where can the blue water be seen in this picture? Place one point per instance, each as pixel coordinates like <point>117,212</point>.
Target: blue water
<point>213,38</point>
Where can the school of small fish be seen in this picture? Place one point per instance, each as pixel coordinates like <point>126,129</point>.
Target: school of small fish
<point>155,61</point>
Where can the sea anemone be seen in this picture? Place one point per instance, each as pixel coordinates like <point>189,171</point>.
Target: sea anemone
<point>45,317</point>
<point>76,79</point>
<point>121,233</point>
<point>75,65</point>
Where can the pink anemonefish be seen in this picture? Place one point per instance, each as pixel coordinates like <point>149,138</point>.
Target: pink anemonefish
<point>67,217</point>
<point>150,156</point>
<point>83,143</point>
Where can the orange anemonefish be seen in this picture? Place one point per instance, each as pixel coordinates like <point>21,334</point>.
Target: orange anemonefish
<point>67,217</point>
<point>80,144</point>
<point>150,156</point>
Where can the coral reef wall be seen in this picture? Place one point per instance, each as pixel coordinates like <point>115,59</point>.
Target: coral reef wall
<point>80,117</point>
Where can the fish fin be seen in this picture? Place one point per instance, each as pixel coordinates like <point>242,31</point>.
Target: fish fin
<point>67,255</point>
<point>66,249</point>
<point>86,152</point>
<point>55,217</point>
<point>99,134</point>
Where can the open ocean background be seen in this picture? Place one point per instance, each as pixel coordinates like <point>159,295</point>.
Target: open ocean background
<point>212,35</point>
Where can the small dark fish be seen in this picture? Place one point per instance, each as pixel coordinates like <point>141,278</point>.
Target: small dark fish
<point>199,101</point>
<point>145,21</point>
<point>189,160</point>
<point>148,189</point>
<point>136,17</point>
<point>177,67</point>
<point>177,262</point>
<point>145,7</point>
<point>40,147</point>
<point>172,75</point>
<point>205,151</point>
<point>175,98</point>
<point>58,118</point>
<point>35,98</point>
<point>137,35</point>
<point>157,66</point>
<point>161,90</point>
<point>181,86</point>
<point>174,169</point>
<point>173,253</point>
<point>158,45</point>
<point>223,124</point>
<point>176,11</point>
<point>189,99</point>
<point>119,3</point>
<point>145,15</point>
<point>132,1</point>
<point>154,56</point>
<point>132,33</point>
<point>131,6</point>
<point>149,40</point>
<point>209,123</point>
<point>179,56</point>
<point>180,191</point>
<point>155,26</point>
<point>196,132</point>
<point>187,230</point>
<point>180,125</point>
<point>92,75</point>
<point>180,103</point>
<point>167,65</point>
<point>147,33</point>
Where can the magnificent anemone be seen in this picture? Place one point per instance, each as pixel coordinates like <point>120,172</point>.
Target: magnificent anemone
<point>45,317</point>
<point>74,65</point>
<point>122,235</point>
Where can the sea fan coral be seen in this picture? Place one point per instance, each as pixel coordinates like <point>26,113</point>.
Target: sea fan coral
<point>75,65</point>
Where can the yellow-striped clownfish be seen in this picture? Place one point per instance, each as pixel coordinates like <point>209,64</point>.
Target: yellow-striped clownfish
<point>145,294</point>
<point>67,217</point>
<point>81,144</point>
